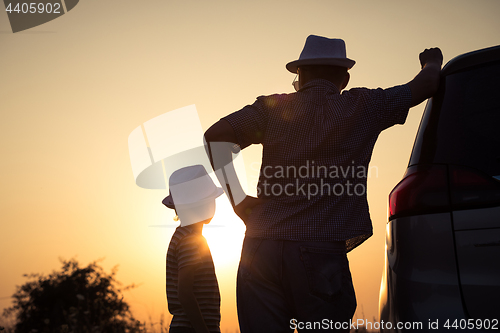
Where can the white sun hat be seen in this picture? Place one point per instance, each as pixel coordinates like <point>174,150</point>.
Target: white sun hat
<point>322,51</point>
<point>192,194</point>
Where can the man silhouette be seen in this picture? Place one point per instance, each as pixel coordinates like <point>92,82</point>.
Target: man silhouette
<point>311,207</point>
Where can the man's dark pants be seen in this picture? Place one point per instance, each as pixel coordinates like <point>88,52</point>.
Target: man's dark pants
<point>284,285</point>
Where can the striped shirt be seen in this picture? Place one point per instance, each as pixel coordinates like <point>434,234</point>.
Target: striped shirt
<point>317,144</point>
<point>190,248</point>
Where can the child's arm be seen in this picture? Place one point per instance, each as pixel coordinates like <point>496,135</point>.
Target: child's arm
<point>187,299</point>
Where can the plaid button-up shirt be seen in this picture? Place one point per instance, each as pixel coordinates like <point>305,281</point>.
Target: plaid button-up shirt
<point>317,144</point>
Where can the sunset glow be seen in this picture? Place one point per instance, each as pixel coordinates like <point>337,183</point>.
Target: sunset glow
<point>73,89</point>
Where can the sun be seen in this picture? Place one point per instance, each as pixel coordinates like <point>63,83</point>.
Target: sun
<point>225,234</point>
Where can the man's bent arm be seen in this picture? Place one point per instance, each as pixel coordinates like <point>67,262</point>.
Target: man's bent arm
<point>219,141</point>
<point>426,83</point>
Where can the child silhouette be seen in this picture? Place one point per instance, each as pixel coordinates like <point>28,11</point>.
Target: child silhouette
<point>192,290</point>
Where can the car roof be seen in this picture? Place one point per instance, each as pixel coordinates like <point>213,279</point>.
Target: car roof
<point>472,59</point>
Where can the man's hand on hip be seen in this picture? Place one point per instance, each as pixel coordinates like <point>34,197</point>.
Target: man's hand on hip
<point>245,208</point>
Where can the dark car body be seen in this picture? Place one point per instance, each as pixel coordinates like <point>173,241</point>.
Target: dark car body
<point>443,235</point>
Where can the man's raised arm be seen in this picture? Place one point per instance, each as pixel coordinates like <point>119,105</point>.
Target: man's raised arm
<point>426,83</point>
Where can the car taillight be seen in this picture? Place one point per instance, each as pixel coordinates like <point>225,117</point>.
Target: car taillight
<point>424,190</point>
<point>427,189</point>
<point>471,188</point>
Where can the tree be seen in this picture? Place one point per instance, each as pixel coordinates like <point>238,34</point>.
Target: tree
<point>75,299</point>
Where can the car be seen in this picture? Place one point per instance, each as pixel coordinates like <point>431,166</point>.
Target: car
<point>442,265</point>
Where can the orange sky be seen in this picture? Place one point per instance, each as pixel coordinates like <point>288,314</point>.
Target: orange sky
<point>73,89</point>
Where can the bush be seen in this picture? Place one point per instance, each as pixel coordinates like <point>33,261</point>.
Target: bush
<point>73,299</point>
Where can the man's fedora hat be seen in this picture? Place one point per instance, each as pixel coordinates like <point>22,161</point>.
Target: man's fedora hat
<point>191,186</point>
<point>322,51</point>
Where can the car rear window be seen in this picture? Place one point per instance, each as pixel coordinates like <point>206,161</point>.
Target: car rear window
<point>461,125</point>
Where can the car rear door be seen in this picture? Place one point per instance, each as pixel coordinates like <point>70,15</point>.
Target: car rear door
<point>468,142</point>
